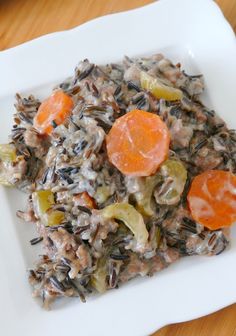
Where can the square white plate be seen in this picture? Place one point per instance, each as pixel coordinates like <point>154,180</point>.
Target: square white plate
<point>192,32</point>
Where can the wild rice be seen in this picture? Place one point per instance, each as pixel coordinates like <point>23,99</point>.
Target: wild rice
<point>74,161</point>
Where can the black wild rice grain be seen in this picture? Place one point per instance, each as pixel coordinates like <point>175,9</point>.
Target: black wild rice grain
<point>57,284</point>
<point>76,287</point>
<point>62,268</point>
<point>84,209</point>
<point>117,90</point>
<point>35,241</point>
<point>65,177</point>
<point>113,278</point>
<point>212,240</point>
<point>87,86</point>
<point>66,170</point>
<point>95,90</point>
<point>45,175</point>
<point>176,111</point>
<point>64,86</point>
<point>138,98</point>
<point>25,119</point>
<point>81,229</point>
<point>141,103</point>
<point>133,86</point>
<point>66,261</point>
<point>54,124</point>
<point>200,145</point>
<point>80,147</point>
<point>119,257</point>
<point>86,72</point>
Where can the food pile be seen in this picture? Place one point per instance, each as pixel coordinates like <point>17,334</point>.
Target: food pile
<point>126,171</point>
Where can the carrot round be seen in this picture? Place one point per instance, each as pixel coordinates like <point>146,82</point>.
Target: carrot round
<point>212,199</point>
<point>53,111</point>
<point>138,143</point>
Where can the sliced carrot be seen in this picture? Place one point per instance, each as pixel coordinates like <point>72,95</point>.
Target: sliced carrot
<point>138,143</point>
<point>83,199</point>
<point>212,199</point>
<point>53,111</point>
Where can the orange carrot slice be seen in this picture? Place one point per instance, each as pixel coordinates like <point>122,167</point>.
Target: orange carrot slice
<point>53,111</point>
<point>212,199</point>
<point>138,143</point>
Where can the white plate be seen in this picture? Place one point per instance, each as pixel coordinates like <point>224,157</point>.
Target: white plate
<point>192,32</point>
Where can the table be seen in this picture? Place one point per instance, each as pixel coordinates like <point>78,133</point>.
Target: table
<point>22,20</point>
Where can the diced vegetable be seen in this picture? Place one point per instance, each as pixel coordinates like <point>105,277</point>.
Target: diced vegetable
<point>83,199</point>
<point>131,218</point>
<point>55,217</point>
<point>98,278</point>
<point>53,112</point>
<point>102,194</point>
<point>144,197</point>
<point>7,153</point>
<point>174,178</point>
<point>212,199</point>
<point>7,156</point>
<point>43,200</point>
<point>138,143</point>
<point>158,89</point>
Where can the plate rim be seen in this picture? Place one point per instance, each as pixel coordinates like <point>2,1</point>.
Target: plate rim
<point>35,43</point>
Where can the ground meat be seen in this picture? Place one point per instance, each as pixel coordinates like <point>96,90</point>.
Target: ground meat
<point>34,140</point>
<point>156,265</point>
<point>100,228</point>
<point>207,159</point>
<point>65,246</point>
<point>170,255</point>
<point>213,243</point>
<point>16,172</point>
<point>171,72</point>
<point>27,216</point>
<point>180,134</point>
<point>132,74</point>
<point>84,257</point>
<point>190,106</point>
<point>135,267</point>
